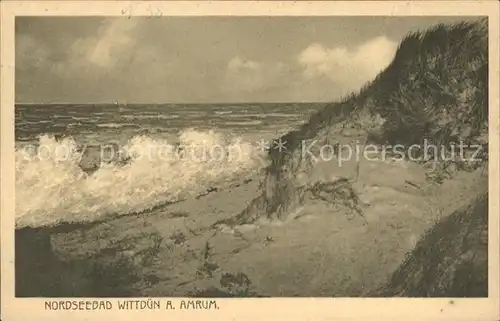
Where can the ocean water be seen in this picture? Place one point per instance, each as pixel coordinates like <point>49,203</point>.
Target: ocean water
<point>220,145</point>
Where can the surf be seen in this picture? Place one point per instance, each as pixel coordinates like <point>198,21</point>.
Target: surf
<point>52,187</point>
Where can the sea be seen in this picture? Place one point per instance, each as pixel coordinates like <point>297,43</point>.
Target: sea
<point>221,143</point>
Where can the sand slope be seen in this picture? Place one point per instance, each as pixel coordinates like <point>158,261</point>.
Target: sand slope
<point>450,261</point>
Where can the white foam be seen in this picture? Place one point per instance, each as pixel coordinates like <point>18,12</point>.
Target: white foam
<point>51,187</point>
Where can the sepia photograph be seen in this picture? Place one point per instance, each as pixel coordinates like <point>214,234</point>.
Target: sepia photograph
<point>290,156</point>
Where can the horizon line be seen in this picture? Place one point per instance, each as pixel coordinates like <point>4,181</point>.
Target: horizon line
<point>173,103</point>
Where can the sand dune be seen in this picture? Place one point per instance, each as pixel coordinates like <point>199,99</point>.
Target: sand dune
<point>304,228</point>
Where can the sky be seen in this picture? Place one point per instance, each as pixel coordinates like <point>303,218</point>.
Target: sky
<point>204,59</point>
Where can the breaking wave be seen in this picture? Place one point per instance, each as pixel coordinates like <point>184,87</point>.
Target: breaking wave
<point>52,188</point>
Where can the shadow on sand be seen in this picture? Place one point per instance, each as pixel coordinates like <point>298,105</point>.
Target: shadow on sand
<point>41,273</point>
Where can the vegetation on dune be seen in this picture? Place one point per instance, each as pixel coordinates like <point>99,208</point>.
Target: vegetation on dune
<point>451,260</point>
<point>435,90</point>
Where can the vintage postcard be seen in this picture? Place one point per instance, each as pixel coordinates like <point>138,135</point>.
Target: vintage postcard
<point>190,160</point>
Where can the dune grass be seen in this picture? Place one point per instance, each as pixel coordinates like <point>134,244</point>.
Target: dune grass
<point>435,89</point>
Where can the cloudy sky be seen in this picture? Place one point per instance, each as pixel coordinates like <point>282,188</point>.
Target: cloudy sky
<point>203,59</point>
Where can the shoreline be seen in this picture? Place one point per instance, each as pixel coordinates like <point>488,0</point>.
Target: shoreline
<point>304,228</point>
<point>184,250</point>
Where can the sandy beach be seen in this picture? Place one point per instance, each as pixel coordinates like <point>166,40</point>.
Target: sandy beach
<point>322,249</point>
<point>294,225</point>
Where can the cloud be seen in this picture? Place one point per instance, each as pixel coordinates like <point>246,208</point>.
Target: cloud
<point>189,59</point>
<point>244,75</point>
<point>318,73</point>
<point>114,37</point>
<point>347,68</point>
<point>238,65</point>
<point>99,52</point>
<point>252,76</point>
